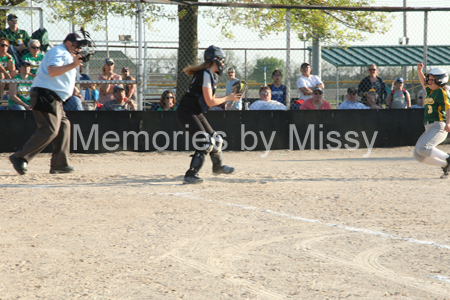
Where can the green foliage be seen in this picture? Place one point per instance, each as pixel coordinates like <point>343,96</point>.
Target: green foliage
<point>94,13</point>
<point>330,26</point>
<point>4,13</point>
<point>271,63</point>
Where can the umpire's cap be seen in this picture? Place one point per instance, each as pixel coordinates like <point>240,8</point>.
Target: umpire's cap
<point>72,37</point>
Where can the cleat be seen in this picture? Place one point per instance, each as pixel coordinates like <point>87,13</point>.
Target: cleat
<point>446,169</point>
<point>19,164</point>
<point>192,180</point>
<point>223,170</point>
<point>64,169</point>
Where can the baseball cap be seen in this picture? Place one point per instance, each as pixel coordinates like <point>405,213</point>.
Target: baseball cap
<point>230,70</point>
<point>24,63</point>
<point>109,61</point>
<point>118,88</point>
<point>318,89</point>
<point>125,69</point>
<point>399,79</point>
<point>12,17</point>
<point>72,37</point>
<point>352,90</point>
<point>304,65</point>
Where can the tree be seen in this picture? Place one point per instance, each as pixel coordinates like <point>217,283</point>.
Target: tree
<point>330,26</point>
<point>12,3</point>
<point>271,63</point>
<point>188,44</point>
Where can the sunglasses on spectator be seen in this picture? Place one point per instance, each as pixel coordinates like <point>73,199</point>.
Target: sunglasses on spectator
<point>4,45</point>
<point>419,97</point>
<point>317,93</point>
<point>32,47</point>
<point>265,93</point>
<point>352,93</point>
<point>372,69</point>
<point>169,97</point>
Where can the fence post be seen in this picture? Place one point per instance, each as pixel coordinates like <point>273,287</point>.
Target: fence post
<point>425,40</point>
<point>288,59</point>
<point>145,73</point>
<point>316,69</point>
<point>246,79</point>
<point>337,86</point>
<point>139,64</point>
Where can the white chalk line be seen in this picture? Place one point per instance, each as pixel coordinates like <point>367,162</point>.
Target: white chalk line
<point>289,216</point>
<point>438,277</point>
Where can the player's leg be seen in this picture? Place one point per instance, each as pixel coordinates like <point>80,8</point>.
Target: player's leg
<point>216,157</point>
<point>216,153</point>
<point>203,145</point>
<point>425,150</point>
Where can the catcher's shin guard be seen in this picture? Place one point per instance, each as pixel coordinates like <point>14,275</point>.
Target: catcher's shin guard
<point>198,159</point>
<point>218,168</point>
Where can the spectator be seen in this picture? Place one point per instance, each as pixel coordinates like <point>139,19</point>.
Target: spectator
<point>399,97</point>
<point>232,105</point>
<point>352,102</point>
<point>85,87</point>
<point>20,93</point>
<point>307,82</point>
<point>167,101</point>
<point>372,100</point>
<point>130,89</point>
<point>278,89</point>
<point>106,89</point>
<point>120,101</point>
<point>266,103</point>
<point>94,92</point>
<point>34,57</point>
<point>75,102</point>
<point>316,102</point>
<point>18,39</point>
<point>373,81</point>
<point>7,64</point>
<point>420,100</point>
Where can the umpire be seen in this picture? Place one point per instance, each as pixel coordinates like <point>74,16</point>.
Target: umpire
<point>54,83</point>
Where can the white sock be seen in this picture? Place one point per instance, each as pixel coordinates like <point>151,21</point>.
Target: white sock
<point>435,152</point>
<point>435,161</point>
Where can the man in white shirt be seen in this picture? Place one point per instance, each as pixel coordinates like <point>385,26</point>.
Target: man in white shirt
<point>352,102</point>
<point>307,82</point>
<point>266,103</point>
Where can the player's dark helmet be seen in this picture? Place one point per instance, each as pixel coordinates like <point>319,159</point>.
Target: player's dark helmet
<point>214,53</point>
<point>440,76</point>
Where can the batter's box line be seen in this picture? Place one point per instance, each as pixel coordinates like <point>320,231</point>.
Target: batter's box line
<point>289,216</point>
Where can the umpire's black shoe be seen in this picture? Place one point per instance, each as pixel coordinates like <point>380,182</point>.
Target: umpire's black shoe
<point>192,180</point>
<point>19,164</point>
<point>222,170</point>
<point>63,169</point>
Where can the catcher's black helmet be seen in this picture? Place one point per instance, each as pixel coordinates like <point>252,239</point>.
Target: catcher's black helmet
<point>214,53</point>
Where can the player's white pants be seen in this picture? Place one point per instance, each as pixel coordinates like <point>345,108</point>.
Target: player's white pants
<point>426,151</point>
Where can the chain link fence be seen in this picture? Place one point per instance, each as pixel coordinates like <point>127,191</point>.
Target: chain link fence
<point>180,33</point>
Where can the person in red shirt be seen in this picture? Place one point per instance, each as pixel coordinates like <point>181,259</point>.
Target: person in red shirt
<point>316,102</point>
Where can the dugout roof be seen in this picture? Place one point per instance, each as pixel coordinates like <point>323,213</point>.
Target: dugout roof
<point>391,56</point>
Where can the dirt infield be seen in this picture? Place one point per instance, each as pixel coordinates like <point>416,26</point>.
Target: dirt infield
<point>294,225</point>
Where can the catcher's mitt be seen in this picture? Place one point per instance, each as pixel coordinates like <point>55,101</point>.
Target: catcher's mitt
<point>239,86</point>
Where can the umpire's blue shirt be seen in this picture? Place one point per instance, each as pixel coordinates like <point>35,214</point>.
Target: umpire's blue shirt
<point>62,85</point>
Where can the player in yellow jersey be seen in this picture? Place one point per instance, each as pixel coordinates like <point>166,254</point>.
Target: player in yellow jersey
<point>436,119</point>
